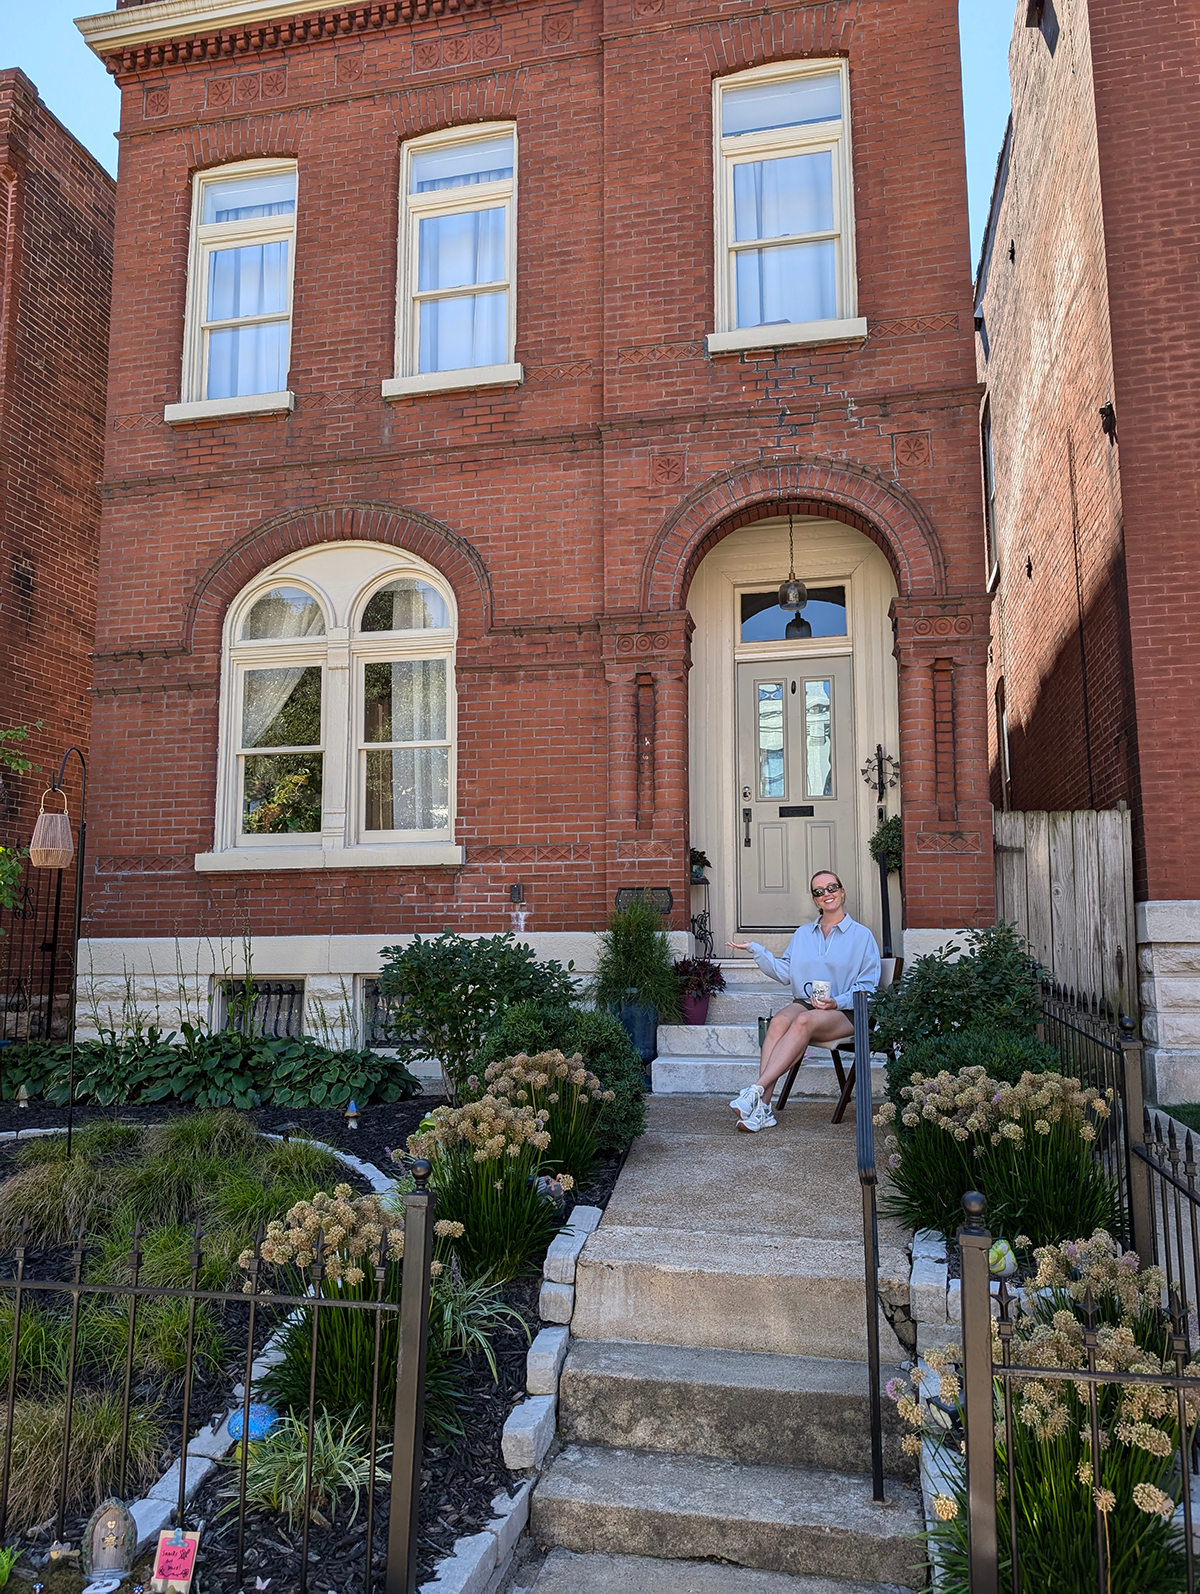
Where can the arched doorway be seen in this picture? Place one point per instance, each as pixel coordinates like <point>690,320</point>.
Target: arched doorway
<point>781,724</point>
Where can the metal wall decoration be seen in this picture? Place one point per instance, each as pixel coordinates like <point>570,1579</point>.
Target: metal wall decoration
<point>657,896</point>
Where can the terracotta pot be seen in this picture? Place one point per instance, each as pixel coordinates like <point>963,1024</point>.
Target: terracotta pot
<point>695,1008</point>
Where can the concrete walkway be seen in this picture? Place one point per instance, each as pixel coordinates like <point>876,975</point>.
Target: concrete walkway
<point>747,1242</point>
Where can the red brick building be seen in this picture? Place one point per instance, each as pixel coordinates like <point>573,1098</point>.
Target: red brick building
<point>470,361</point>
<point>1087,344</point>
<point>56,232</point>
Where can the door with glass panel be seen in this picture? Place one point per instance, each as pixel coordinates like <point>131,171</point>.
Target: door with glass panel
<point>796,793</point>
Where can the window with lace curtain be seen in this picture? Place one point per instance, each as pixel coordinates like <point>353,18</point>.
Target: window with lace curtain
<point>784,207</point>
<point>237,339</point>
<point>338,712</point>
<point>456,298</point>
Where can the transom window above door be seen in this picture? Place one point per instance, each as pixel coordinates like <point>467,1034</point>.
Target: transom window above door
<point>762,620</point>
<point>784,207</point>
<point>456,297</point>
<point>338,714</point>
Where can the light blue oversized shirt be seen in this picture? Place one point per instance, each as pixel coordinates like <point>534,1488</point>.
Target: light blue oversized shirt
<point>848,959</point>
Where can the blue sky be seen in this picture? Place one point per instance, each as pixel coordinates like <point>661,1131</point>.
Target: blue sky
<point>43,41</point>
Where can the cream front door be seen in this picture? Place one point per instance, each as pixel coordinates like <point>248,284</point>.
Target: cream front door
<point>796,789</point>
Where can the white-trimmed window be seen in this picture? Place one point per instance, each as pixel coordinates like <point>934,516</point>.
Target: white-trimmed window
<point>456,295</point>
<point>784,207</point>
<point>338,715</point>
<point>238,332</point>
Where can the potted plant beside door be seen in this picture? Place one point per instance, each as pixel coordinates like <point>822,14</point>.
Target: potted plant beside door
<point>634,976</point>
<point>699,979</point>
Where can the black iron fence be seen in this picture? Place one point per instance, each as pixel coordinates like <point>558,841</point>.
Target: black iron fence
<point>396,1332</point>
<point>1009,1503</point>
<point>35,960</point>
<point>1099,1046</point>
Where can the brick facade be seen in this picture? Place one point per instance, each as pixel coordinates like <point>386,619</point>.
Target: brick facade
<point>569,514</point>
<point>56,230</point>
<point>1085,293</point>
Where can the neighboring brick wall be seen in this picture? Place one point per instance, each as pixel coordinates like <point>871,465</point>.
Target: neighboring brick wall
<point>1095,628</point>
<point>560,488</point>
<point>1059,626</point>
<point>1147,77</point>
<point>56,229</point>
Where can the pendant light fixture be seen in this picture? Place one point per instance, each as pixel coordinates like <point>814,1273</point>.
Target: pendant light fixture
<point>793,594</point>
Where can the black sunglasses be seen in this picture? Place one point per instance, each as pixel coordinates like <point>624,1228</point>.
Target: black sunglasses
<point>827,891</point>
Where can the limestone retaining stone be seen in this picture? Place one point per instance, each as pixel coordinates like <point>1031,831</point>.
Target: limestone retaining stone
<point>556,1302</point>
<point>544,1361</point>
<point>528,1433</point>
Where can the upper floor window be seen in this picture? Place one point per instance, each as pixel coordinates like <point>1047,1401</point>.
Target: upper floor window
<point>456,304</point>
<point>338,711</point>
<point>239,299</point>
<point>989,492</point>
<point>784,206</point>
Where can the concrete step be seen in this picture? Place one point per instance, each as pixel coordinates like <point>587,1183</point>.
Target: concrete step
<point>780,1519</point>
<point>708,1040</point>
<point>746,1004</point>
<point>735,1405</point>
<point>778,1293</point>
<point>740,973</point>
<point>564,1572</point>
<point>707,1075</point>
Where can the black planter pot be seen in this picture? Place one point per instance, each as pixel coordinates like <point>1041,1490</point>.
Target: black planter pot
<point>640,1021</point>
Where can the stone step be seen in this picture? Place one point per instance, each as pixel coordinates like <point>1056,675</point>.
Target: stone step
<point>780,1519</point>
<point>782,1294</point>
<point>734,1405</point>
<point>747,1004</point>
<point>707,1040</point>
<point>700,1075</point>
<point>741,972</point>
<point>564,1572</point>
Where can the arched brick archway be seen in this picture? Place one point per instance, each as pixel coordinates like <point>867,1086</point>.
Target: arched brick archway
<point>352,522</point>
<point>878,508</point>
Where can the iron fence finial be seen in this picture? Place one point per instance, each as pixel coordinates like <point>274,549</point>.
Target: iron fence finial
<point>421,1170</point>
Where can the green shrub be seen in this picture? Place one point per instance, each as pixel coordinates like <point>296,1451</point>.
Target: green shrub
<point>1027,1147</point>
<point>1055,1473</point>
<point>278,1466</point>
<point>635,955</point>
<point>451,990</point>
<point>888,842</point>
<point>207,1069</point>
<point>994,982</point>
<point>1004,1054</point>
<point>601,1041</point>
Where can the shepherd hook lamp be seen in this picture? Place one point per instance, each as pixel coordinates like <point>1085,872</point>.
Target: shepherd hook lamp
<point>51,847</point>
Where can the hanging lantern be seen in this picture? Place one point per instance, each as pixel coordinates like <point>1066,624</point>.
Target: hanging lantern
<point>797,630</point>
<point>793,594</point>
<point>52,846</point>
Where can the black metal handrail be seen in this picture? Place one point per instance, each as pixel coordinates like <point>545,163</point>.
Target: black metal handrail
<point>868,1181</point>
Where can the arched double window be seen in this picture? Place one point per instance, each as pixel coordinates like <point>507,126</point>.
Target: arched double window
<point>337,715</point>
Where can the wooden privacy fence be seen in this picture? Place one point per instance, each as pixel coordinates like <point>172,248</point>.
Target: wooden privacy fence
<point>1066,880</point>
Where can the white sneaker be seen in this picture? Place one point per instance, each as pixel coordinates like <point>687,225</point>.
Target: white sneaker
<point>746,1100</point>
<point>761,1118</point>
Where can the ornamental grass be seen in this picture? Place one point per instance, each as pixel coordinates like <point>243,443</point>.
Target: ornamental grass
<point>569,1095</point>
<point>486,1157</point>
<point>1028,1147</point>
<point>1059,1483</point>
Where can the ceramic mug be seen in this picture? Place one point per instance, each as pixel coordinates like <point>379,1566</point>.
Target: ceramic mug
<point>818,990</point>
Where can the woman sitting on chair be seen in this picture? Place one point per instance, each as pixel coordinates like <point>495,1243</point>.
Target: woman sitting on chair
<point>825,963</point>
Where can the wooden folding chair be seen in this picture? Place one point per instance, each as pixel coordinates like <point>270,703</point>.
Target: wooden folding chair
<point>890,971</point>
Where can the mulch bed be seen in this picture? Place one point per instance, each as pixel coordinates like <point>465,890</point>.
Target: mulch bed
<point>459,1479</point>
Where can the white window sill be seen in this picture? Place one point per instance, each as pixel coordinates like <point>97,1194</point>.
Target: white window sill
<point>447,381</point>
<point>230,408</point>
<point>404,855</point>
<point>783,334</point>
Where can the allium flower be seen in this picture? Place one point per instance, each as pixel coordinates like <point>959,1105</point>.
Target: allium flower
<point>945,1507</point>
<point>1153,1501</point>
<point>1105,1500</point>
